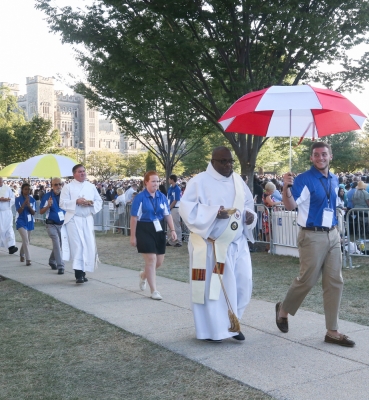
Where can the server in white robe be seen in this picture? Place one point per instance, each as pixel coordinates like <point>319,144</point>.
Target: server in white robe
<point>218,209</point>
<point>7,237</point>
<point>80,199</point>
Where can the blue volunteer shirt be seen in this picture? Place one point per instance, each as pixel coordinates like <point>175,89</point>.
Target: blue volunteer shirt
<point>147,209</point>
<point>311,190</point>
<point>174,193</point>
<point>52,212</point>
<point>25,219</point>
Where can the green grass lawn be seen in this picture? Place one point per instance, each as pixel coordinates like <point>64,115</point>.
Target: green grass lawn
<point>51,351</point>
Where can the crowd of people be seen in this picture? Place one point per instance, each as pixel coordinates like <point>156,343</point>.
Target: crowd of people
<point>218,208</point>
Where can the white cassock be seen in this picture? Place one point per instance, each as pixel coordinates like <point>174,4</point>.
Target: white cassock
<point>78,236</point>
<point>199,206</point>
<point>7,238</point>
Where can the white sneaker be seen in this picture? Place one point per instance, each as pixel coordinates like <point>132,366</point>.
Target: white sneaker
<point>156,295</point>
<point>142,282</point>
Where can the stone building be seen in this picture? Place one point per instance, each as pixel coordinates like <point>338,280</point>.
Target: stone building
<point>79,125</point>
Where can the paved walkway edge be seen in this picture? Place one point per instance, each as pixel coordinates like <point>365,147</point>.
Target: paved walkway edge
<point>297,365</point>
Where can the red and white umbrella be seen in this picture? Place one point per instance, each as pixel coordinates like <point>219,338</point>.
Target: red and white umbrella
<point>292,111</point>
<point>303,111</point>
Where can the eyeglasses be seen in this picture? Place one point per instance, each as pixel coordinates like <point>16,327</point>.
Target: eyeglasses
<point>225,162</point>
<point>57,184</point>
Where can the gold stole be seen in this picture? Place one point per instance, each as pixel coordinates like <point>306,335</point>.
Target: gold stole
<point>220,246</point>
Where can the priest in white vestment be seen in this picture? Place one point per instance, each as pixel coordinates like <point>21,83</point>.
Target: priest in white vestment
<point>218,209</point>
<point>80,199</point>
<point>7,237</point>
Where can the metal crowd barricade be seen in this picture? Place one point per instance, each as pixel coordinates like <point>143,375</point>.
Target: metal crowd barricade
<point>357,234</point>
<point>257,233</point>
<point>284,231</point>
<point>185,232</point>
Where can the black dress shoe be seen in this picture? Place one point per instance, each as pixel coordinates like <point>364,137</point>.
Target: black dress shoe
<point>84,277</point>
<point>167,244</point>
<point>12,249</point>
<point>53,267</point>
<point>240,336</point>
<point>213,340</point>
<point>80,280</point>
<point>281,322</point>
<point>341,340</point>
<point>60,271</point>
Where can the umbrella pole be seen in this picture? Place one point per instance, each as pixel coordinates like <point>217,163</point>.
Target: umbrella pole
<point>290,140</point>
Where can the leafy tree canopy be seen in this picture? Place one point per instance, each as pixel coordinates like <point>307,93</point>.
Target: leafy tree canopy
<point>21,139</point>
<point>207,54</point>
<point>104,165</point>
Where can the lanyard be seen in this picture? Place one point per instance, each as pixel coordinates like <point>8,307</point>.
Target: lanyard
<point>152,202</point>
<point>327,192</point>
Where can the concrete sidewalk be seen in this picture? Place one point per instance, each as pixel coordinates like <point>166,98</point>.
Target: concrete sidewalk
<point>297,365</point>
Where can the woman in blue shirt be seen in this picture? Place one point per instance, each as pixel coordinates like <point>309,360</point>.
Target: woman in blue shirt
<point>26,208</point>
<point>149,208</point>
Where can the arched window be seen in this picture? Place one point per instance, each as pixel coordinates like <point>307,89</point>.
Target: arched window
<point>45,109</point>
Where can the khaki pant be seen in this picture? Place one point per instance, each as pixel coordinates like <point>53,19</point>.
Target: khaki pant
<point>320,253</point>
<point>177,226</point>
<point>26,239</point>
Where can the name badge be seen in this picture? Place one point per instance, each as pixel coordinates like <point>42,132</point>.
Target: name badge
<point>327,219</point>
<point>61,215</point>
<point>157,225</point>
<point>29,217</point>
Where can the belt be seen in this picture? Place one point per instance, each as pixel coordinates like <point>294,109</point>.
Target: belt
<point>49,222</point>
<point>318,228</point>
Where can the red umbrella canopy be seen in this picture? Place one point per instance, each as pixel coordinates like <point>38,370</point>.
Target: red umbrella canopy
<point>302,111</point>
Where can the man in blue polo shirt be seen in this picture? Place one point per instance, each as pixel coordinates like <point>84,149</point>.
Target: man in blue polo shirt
<point>174,197</point>
<point>54,222</point>
<point>314,192</point>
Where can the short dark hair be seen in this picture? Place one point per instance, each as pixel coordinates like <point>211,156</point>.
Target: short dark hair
<point>319,145</point>
<point>173,178</point>
<point>25,185</point>
<point>74,169</point>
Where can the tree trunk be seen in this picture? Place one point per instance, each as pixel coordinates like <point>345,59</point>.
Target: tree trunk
<point>246,149</point>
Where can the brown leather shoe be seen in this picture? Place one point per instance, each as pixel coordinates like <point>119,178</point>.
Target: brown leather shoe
<point>22,259</point>
<point>281,322</point>
<point>342,340</point>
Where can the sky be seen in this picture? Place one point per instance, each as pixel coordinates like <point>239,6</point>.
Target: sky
<point>27,49</point>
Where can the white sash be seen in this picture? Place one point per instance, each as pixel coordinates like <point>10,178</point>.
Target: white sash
<point>220,246</point>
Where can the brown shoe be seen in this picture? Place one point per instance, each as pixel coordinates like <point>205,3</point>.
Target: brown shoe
<point>342,340</point>
<point>22,259</point>
<point>28,263</point>
<point>281,322</point>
